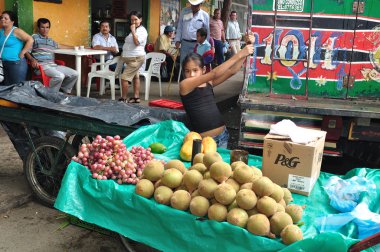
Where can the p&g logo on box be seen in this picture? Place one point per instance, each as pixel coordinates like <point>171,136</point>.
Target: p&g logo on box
<point>288,162</point>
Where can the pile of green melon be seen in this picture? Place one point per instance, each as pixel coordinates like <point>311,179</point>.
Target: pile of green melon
<point>235,193</point>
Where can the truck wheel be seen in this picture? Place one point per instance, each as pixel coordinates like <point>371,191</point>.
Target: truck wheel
<point>365,152</point>
<point>45,179</point>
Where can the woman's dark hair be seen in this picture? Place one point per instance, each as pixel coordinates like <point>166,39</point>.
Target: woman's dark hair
<point>41,21</point>
<point>193,57</point>
<point>135,13</point>
<point>12,16</point>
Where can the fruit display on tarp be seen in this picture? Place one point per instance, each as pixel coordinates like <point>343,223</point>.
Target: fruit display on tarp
<point>235,193</point>
<point>108,158</point>
<point>208,145</point>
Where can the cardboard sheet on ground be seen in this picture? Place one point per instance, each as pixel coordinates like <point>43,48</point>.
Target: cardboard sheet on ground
<point>118,208</point>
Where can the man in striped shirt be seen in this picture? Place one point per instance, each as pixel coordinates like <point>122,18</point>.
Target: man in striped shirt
<point>62,77</point>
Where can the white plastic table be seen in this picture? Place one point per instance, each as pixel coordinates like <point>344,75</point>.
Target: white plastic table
<point>78,55</point>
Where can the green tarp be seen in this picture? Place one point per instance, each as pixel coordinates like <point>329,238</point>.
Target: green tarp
<point>118,208</point>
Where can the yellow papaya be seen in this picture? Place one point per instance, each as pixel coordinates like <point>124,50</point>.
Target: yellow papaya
<point>186,151</point>
<point>191,136</point>
<point>208,144</point>
<point>187,146</point>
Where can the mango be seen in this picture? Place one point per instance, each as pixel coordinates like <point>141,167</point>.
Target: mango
<point>157,148</point>
<point>208,144</point>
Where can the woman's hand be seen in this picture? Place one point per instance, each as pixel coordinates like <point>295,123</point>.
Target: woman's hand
<point>133,28</point>
<point>247,50</point>
<point>21,55</point>
<point>34,63</point>
<point>249,38</point>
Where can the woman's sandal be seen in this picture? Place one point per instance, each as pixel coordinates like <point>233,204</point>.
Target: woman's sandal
<point>134,100</point>
<point>122,100</point>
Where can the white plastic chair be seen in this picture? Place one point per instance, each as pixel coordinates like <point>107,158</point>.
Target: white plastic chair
<point>153,70</point>
<point>107,74</point>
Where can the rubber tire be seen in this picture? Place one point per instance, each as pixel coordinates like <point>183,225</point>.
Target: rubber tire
<point>367,153</point>
<point>46,196</point>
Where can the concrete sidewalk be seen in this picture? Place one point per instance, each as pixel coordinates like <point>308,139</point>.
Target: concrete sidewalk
<point>226,92</point>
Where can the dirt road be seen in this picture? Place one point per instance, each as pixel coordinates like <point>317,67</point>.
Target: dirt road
<point>32,226</point>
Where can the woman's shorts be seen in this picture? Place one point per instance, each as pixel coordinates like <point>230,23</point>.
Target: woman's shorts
<point>222,139</point>
<point>132,67</point>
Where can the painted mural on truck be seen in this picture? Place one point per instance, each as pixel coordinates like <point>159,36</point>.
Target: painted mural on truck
<point>342,46</point>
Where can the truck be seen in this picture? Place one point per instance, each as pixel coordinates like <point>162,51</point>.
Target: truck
<point>318,64</point>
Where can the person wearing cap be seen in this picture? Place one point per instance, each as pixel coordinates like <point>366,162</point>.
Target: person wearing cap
<point>191,19</point>
<point>163,45</point>
<point>163,42</point>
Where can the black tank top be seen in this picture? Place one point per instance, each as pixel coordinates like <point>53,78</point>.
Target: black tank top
<point>201,109</point>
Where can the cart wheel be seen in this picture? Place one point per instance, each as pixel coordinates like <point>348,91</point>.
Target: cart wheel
<point>126,243</point>
<point>133,246</point>
<point>43,178</point>
<point>78,140</point>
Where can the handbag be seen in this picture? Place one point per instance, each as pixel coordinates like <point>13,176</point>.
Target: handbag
<point>1,71</point>
<point>1,53</point>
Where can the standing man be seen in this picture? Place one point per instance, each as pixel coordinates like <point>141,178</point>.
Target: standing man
<point>191,19</point>
<point>217,33</point>
<point>233,34</point>
<point>42,53</point>
<point>105,41</point>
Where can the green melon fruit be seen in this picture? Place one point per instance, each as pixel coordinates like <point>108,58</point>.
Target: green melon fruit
<point>163,195</point>
<point>246,199</point>
<point>145,188</point>
<point>237,217</point>
<point>199,206</point>
<point>220,171</point>
<point>217,212</point>
<point>153,170</point>
<point>225,194</point>
<point>180,200</point>
<point>291,234</point>
<point>267,206</point>
<point>279,221</point>
<point>172,178</point>
<point>295,211</point>
<point>258,224</point>
<point>176,164</point>
<point>243,174</point>
<point>191,179</point>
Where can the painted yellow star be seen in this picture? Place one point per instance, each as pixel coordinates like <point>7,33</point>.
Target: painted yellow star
<point>321,81</point>
<point>272,76</point>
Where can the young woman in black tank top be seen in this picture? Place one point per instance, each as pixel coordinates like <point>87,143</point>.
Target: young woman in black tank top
<point>197,95</point>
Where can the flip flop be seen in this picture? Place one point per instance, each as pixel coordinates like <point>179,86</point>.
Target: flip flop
<point>134,100</point>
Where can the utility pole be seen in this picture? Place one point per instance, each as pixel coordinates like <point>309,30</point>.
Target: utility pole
<point>226,12</point>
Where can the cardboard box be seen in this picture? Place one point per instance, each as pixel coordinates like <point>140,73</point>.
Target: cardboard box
<point>292,165</point>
